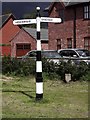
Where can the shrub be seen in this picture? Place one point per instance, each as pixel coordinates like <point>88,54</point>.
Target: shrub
<point>17,67</point>
<point>86,77</point>
<point>76,71</point>
<point>6,65</point>
<point>48,66</point>
<point>79,70</point>
<point>51,70</point>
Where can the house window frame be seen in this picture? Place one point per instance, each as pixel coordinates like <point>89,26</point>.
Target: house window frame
<point>86,12</point>
<point>69,42</point>
<point>87,44</point>
<point>23,46</point>
<point>27,46</point>
<point>19,46</point>
<point>58,44</point>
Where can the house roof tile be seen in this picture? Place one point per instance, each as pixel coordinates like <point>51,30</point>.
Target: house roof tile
<point>75,2</point>
<point>32,32</point>
<point>69,3</point>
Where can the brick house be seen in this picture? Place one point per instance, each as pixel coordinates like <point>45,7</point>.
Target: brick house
<point>74,31</point>
<point>17,41</point>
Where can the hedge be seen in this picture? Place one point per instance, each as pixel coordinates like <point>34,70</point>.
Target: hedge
<point>51,70</point>
<point>17,67</point>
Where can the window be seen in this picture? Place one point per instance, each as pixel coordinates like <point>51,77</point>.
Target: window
<point>87,12</point>
<point>27,46</point>
<point>19,46</point>
<point>64,53</point>
<point>69,42</point>
<point>87,43</point>
<point>23,46</point>
<point>68,53</point>
<point>72,53</point>
<point>58,44</point>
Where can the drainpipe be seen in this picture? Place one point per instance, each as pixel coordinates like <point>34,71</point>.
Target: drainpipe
<point>74,28</point>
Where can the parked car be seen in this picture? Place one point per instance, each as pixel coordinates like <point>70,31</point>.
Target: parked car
<point>51,55</point>
<point>76,55</point>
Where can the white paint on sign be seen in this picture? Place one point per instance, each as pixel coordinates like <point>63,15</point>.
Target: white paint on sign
<point>34,21</point>
<point>24,21</point>
<point>54,20</point>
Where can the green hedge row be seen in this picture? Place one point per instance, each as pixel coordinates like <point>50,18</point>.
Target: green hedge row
<point>78,72</point>
<point>17,67</point>
<point>50,69</point>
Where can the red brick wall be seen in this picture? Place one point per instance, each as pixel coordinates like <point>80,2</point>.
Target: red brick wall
<point>8,32</point>
<point>6,50</point>
<point>66,29</point>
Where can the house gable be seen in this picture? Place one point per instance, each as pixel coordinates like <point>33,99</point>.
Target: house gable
<point>22,38</point>
<point>8,29</point>
<point>53,6</point>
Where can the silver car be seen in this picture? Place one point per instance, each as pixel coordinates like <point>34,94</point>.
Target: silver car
<point>76,55</point>
<point>51,55</point>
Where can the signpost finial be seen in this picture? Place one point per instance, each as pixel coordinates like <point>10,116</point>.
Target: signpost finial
<point>37,8</point>
<point>38,11</point>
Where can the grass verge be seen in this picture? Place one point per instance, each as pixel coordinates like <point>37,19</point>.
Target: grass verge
<point>60,100</point>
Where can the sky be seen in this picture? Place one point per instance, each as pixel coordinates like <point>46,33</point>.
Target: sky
<point>21,8</point>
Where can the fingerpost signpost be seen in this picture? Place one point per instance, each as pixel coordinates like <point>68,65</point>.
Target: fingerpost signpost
<point>37,21</point>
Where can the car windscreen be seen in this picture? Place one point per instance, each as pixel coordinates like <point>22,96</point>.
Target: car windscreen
<point>83,53</point>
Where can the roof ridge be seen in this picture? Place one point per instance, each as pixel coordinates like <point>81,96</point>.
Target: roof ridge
<point>4,18</point>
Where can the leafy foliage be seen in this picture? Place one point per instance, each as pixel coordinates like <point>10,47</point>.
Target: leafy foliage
<point>17,67</point>
<point>51,70</point>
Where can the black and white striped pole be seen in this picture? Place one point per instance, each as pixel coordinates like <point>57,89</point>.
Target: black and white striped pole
<point>39,78</point>
<point>37,21</point>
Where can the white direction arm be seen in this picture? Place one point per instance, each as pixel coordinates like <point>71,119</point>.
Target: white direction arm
<point>34,21</point>
<point>24,21</point>
<point>53,20</point>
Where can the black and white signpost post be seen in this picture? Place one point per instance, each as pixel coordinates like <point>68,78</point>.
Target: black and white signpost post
<point>37,21</point>
<point>39,79</point>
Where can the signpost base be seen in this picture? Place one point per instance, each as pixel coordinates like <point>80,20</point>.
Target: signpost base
<point>39,97</point>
